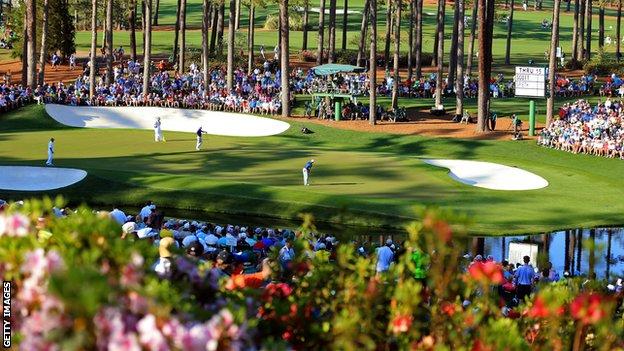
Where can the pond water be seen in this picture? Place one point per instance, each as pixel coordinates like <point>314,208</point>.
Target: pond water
<point>568,250</point>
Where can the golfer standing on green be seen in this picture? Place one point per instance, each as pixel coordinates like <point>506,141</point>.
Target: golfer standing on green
<point>306,172</point>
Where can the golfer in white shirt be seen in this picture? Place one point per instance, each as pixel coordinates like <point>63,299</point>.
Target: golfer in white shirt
<point>158,136</point>
<point>50,152</point>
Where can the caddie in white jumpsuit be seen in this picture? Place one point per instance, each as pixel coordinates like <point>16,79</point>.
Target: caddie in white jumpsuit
<point>158,136</point>
<point>50,153</point>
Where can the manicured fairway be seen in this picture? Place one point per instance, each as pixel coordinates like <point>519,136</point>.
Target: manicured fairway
<point>360,178</point>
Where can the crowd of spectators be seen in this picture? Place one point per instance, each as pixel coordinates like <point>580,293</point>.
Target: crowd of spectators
<point>14,96</point>
<point>580,128</point>
<point>258,92</point>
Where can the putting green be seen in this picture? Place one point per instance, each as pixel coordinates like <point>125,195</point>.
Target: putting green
<point>359,178</point>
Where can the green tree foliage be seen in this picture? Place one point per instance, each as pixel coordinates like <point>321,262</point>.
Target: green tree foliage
<point>61,33</point>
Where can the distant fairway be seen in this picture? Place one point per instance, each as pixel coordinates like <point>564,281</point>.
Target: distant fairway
<point>529,40</point>
<point>360,178</point>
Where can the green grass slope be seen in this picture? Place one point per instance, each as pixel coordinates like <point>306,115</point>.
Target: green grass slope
<point>360,178</point>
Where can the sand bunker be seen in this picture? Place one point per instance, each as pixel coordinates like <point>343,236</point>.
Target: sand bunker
<point>491,175</point>
<point>173,119</point>
<point>26,178</point>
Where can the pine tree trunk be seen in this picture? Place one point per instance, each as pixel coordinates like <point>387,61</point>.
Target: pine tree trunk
<point>372,71</point>
<point>284,60</point>
<point>238,14</point>
<point>363,27</point>
<point>440,52</point>
<point>581,30</point>
<point>31,42</point>
<point>601,25</point>
<point>182,38</point>
<point>205,39</point>
<point>575,31</point>
<point>486,14</point>
<point>220,29</point>
<point>132,23</point>
<point>143,24</point>
<point>552,62</point>
<point>410,41</point>
<point>588,32</point>
<point>397,49</point>
<point>213,29</point>
<point>418,39</point>
<point>147,55</point>
<point>321,35</point>
<point>459,82</point>
<point>618,33</point>
<point>388,32</point>
<point>332,31</point>
<point>230,49</point>
<point>439,28</point>
<point>93,68</point>
<point>25,51</point>
<point>156,10</point>
<point>44,38</point>
<point>176,34</point>
<point>509,30</point>
<point>306,15</point>
<point>345,19</point>
<point>471,40</point>
<point>453,52</point>
<point>250,38</point>
<point>109,42</point>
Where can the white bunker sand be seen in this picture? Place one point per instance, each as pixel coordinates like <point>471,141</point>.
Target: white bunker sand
<point>26,178</point>
<point>173,119</point>
<point>491,175</point>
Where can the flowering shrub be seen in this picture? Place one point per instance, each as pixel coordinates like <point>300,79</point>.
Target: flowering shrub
<point>83,287</point>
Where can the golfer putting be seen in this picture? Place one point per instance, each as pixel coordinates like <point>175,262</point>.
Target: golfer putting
<point>306,172</point>
<point>50,160</point>
<point>200,132</point>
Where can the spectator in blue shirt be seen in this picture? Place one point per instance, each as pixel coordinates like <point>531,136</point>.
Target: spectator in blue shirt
<point>524,279</point>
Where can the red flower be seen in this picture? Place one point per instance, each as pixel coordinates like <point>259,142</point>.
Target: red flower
<point>441,228</point>
<point>448,308</point>
<point>589,308</point>
<point>489,273</point>
<point>539,309</point>
<point>287,335</point>
<point>479,345</point>
<point>401,324</point>
<point>276,290</point>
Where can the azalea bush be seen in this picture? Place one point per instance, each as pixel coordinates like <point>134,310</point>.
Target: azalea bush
<point>78,285</point>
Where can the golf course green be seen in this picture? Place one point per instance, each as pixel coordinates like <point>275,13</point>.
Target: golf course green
<point>359,178</point>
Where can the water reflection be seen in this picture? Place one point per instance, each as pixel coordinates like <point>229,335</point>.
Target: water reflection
<point>578,251</point>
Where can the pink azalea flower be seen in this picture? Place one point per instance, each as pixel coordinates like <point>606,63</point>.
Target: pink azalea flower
<point>149,335</point>
<point>124,342</point>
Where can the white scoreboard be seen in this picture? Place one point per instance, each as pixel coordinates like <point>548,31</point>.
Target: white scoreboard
<point>530,81</point>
